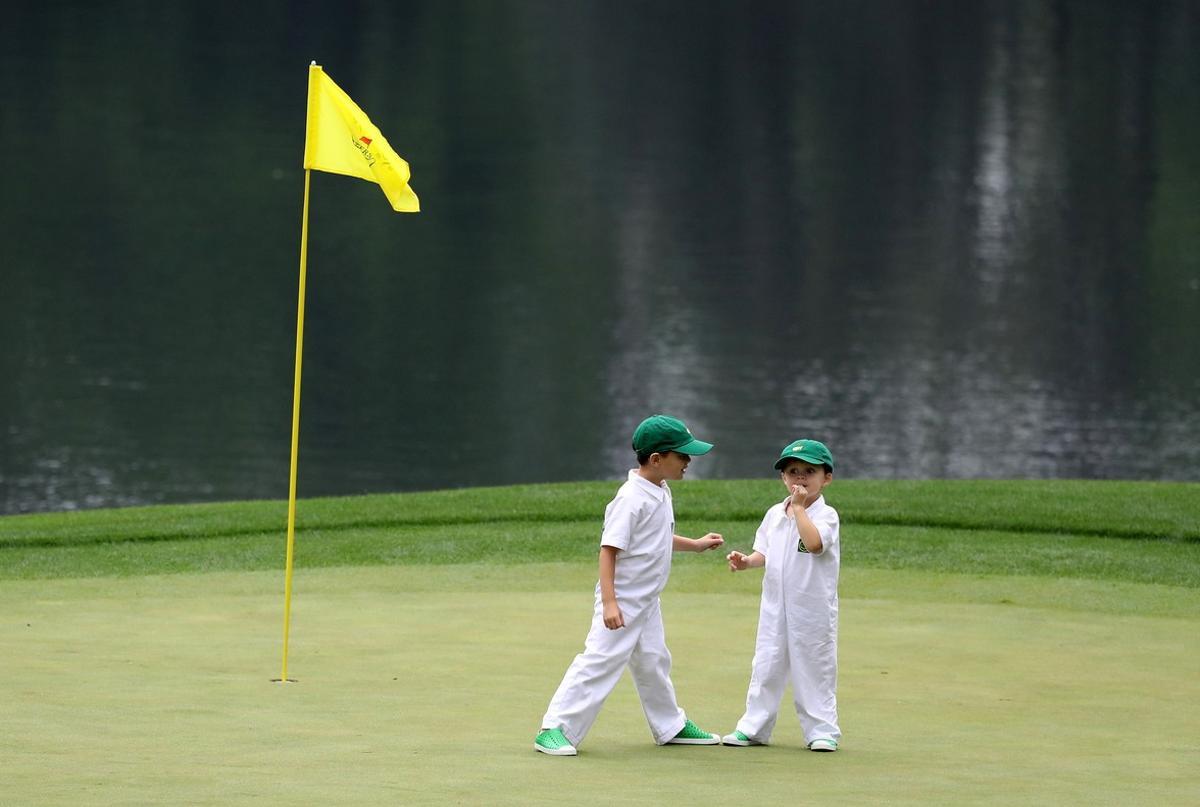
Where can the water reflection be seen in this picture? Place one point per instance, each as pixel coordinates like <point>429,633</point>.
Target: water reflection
<point>951,241</point>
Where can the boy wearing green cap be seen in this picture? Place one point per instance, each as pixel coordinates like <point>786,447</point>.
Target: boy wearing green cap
<point>797,543</point>
<point>627,630</point>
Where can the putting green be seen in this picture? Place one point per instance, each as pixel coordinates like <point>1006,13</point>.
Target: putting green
<point>425,685</point>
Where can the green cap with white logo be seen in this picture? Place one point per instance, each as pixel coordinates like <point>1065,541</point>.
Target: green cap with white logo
<point>806,450</point>
<point>662,433</point>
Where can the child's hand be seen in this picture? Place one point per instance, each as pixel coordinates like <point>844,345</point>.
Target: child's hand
<point>613,618</point>
<point>799,494</point>
<point>737,561</point>
<point>710,541</point>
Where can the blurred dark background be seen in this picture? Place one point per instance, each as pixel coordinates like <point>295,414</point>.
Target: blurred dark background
<point>949,239</point>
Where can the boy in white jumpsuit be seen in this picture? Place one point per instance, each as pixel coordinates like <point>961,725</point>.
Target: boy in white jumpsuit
<point>627,630</point>
<point>798,544</point>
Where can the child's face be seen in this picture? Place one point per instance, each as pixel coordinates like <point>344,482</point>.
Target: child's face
<point>673,465</point>
<point>813,477</point>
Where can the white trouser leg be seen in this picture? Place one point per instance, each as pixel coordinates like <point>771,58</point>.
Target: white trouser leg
<point>814,686</point>
<point>768,677</point>
<point>650,666</point>
<point>591,677</point>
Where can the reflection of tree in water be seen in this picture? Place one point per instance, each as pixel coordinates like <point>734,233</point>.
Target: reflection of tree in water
<point>964,210</point>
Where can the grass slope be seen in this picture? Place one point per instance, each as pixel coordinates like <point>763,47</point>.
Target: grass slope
<point>1135,531</point>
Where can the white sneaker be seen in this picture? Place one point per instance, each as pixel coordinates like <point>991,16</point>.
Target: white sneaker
<point>823,744</point>
<point>691,734</point>
<point>737,738</point>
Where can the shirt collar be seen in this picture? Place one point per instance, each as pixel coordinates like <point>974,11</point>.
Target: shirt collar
<point>659,492</point>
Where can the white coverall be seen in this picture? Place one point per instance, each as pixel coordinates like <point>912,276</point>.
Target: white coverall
<point>639,521</point>
<point>797,626</point>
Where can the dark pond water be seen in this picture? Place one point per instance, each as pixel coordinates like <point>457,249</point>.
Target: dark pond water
<point>950,239</point>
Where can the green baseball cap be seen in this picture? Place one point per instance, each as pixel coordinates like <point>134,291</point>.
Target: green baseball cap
<point>661,433</point>
<point>807,450</point>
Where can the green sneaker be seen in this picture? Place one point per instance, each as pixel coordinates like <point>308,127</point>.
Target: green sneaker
<point>737,738</point>
<point>823,744</point>
<point>691,734</point>
<point>554,743</point>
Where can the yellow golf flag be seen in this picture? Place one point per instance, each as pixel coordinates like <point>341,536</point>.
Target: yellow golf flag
<point>341,139</point>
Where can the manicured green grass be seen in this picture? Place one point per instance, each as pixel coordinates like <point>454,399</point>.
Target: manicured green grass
<point>1163,510</point>
<point>1145,532</point>
<point>1000,643</point>
<point>424,685</point>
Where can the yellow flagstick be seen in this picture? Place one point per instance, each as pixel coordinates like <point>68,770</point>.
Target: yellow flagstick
<point>338,138</point>
<point>291,522</point>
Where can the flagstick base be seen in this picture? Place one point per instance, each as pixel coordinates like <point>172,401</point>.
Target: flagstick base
<point>284,681</point>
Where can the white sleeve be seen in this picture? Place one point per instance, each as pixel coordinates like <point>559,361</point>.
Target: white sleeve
<point>828,527</point>
<point>618,523</point>
<point>761,542</point>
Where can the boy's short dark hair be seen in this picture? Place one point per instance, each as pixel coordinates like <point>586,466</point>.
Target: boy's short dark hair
<point>644,456</point>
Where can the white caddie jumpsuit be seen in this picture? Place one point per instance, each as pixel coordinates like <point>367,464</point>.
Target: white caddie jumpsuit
<point>639,521</point>
<point>797,626</point>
